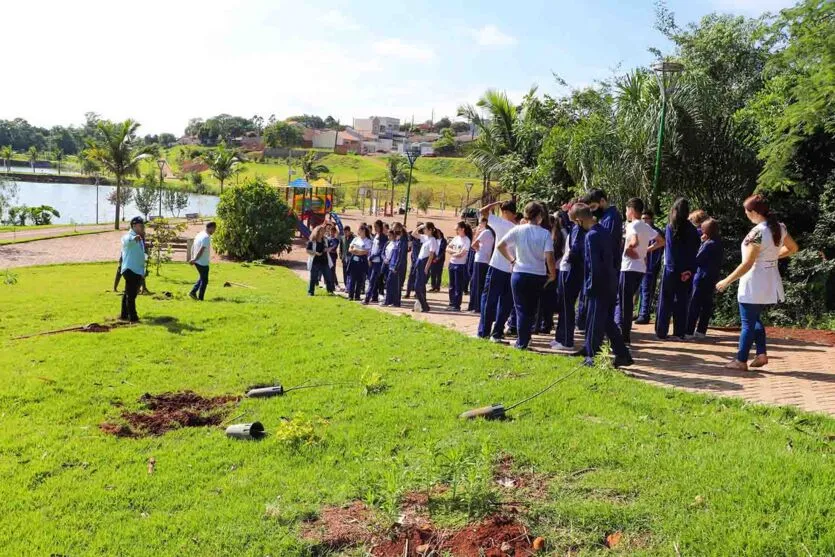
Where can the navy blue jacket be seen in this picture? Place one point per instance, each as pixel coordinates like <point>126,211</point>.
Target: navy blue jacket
<point>576,252</point>
<point>402,249</point>
<point>709,260</point>
<point>415,248</point>
<point>654,258</point>
<point>442,244</point>
<point>600,279</point>
<point>613,223</point>
<point>680,253</point>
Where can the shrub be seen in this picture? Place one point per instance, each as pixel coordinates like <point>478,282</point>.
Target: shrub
<point>254,222</point>
<point>423,198</point>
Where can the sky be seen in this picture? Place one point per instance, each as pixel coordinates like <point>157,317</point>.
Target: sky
<point>164,62</point>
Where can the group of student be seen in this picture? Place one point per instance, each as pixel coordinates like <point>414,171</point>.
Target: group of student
<point>582,264</point>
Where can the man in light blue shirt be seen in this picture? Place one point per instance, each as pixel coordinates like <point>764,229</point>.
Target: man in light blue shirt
<point>133,267</point>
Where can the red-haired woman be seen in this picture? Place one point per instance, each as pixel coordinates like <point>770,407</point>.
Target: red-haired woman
<point>760,284</point>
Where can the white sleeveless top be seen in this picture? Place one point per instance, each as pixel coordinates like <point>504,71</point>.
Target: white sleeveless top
<point>762,283</point>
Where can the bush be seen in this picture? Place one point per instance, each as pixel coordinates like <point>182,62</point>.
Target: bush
<point>254,222</point>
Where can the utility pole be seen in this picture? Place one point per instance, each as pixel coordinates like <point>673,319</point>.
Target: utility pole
<point>667,75</point>
<point>412,155</point>
<point>161,164</point>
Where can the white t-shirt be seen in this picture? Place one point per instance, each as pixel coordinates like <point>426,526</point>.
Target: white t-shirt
<point>389,248</point>
<point>428,246</point>
<point>375,247</point>
<point>458,243</point>
<point>486,240</point>
<point>202,240</point>
<point>565,264</point>
<point>530,242</point>
<point>501,227</point>
<point>360,243</point>
<point>645,234</point>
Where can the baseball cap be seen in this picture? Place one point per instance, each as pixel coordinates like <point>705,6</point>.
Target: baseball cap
<point>136,220</point>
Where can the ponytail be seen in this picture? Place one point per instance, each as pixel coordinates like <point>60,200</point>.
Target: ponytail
<point>757,204</point>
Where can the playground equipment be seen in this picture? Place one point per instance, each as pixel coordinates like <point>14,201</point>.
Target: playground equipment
<point>310,204</point>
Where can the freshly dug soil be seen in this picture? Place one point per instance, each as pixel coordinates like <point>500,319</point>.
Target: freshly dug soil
<point>169,411</point>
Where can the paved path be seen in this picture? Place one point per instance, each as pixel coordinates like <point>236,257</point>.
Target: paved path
<point>798,374</point>
<point>31,233</point>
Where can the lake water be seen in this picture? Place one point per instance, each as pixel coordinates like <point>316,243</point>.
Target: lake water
<point>77,203</point>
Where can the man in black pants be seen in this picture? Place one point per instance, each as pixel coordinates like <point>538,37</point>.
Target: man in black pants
<point>133,267</point>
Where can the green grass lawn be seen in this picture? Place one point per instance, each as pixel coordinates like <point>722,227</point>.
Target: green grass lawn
<point>668,469</point>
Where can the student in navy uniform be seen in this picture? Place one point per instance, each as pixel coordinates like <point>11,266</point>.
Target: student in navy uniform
<point>427,253</point>
<point>697,218</point>
<point>571,268</point>
<point>530,250</point>
<point>548,302</point>
<point>485,241</point>
<point>497,298</point>
<point>345,256</point>
<point>402,256</point>
<point>375,260</point>
<point>600,285</point>
<point>682,244</point>
<point>641,239</point>
<point>358,267</point>
<point>396,250</point>
<point>708,266</point>
<point>609,218</point>
<point>650,279</point>
<point>415,250</point>
<point>468,279</point>
<point>437,268</point>
<point>458,249</point>
<point>387,253</point>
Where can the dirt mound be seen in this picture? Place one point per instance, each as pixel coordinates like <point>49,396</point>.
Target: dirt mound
<point>531,483</point>
<point>340,527</point>
<point>170,411</point>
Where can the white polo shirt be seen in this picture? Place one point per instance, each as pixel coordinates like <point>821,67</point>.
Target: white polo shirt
<point>501,227</point>
<point>645,234</point>
<point>459,243</point>
<point>486,239</point>
<point>530,242</point>
<point>428,246</point>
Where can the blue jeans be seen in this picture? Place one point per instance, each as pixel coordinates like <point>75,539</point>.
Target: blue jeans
<point>527,290</point>
<point>457,280</point>
<point>317,271</point>
<point>753,331</point>
<point>496,304</point>
<point>421,277</point>
<point>202,282</point>
<point>629,283</point>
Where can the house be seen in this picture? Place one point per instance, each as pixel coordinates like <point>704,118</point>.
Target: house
<point>331,139</point>
<point>382,126</point>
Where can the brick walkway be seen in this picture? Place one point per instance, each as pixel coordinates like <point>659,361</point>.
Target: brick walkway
<point>798,374</point>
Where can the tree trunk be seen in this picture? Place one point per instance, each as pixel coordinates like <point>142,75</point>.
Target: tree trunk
<point>118,199</point>
<point>221,187</point>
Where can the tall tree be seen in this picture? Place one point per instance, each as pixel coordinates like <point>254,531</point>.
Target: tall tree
<point>32,154</point>
<point>223,163</point>
<point>119,152</point>
<point>311,168</point>
<point>282,134</point>
<point>6,153</point>
<point>397,172</point>
<point>58,155</point>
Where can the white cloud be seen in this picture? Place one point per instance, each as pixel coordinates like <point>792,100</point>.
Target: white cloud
<point>752,7</point>
<point>396,48</point>
<point>337,20</point>
<point>490,35</point>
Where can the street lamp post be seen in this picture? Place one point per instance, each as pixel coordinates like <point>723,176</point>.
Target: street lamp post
<point>667,74</point>
<point>412,155</point>
<point>161,165</point>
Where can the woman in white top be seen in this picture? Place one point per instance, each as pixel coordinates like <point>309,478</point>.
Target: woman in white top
<point>530,250</point>
<point>760,284</point>
<point>485,241</point>
<point>458,249</point>
<point>428,251</point>
<point>358,266</point>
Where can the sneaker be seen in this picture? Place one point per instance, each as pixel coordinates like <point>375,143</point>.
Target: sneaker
<point>689,337</point>
<point>517,347</point>
<point>623,361</point>
<point>642,321</point>
<point>495,340</point>
<point>416,308</point>
<point>700,336</point>
<point>511,332</point>
<point>559,347</point>
<point>192,295</point>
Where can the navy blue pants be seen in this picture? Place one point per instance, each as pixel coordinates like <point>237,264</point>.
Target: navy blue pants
<point>672,302</point>
<point>753,331</point>
<point>202,282</point>
<point>701,304</point>
<point>628,286</point>
<point>421,278</point>
<point>457,280</point>
<point>496,304</point>
<point>358,272</point>
<point>436,273</point>
<point>410,283</point>
<point>647,294</point>
<point>548,304</point>
<point>392,288</point>
<point>527,291</point>
<point>570,286</point>
<point>373,292</point>
<point>477,286</point>
<point>581,312</point>
<point>600,324</point>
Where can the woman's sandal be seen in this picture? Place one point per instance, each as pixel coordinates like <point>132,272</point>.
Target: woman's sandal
<point>736,365</point>
<point>759,361</point>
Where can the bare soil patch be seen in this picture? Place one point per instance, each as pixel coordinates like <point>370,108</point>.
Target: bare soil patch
<point>168,411</point>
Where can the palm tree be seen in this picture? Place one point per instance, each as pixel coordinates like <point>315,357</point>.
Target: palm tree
<point>58,155</point>
<point>6,153</point>
<point>396,172</point>
<point>86,165</point>
<point>119,152</point>
<point>32,153</point>
<point>223,162</point>
<point>310,168</point>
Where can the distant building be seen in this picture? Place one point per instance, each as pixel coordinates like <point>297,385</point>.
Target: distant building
<point>382,126</point>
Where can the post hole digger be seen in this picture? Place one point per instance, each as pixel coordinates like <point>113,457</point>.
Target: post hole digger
<point>499,411</point>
